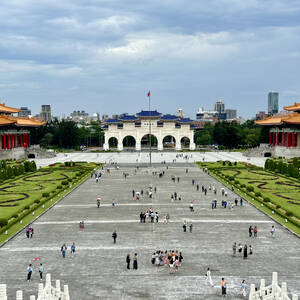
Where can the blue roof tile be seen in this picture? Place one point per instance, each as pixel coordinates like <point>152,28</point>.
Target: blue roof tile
<point>185,120</point>
<point>128,118</point>
<point>169,117</point>
<point>112,121</point>
<point>147,113</point>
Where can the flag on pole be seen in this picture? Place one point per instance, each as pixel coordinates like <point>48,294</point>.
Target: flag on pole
<point>36,259</point>
<point>148,94</point>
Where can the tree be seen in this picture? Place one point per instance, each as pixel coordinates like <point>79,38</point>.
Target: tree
<point>48,138</point>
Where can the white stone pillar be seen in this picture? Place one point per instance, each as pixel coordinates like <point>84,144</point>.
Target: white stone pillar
<point>294,297</point>
<point>32,297</point>
<point>138,146</point>
<point>252,292</point>
<point>160,146</point>
<point>262,287</point>
<point>66,293</point>
<point>19,295</point>
<point>40,291</point>
<point>48,283</point>
<point>274,282</point>
<point>57,288</point>
<point>283,290</point>
<point>3,294</point>
<point>192,144</point>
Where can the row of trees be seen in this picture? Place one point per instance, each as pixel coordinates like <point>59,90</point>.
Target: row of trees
<point>67,134</point>
<point>10,171</point>
<point>288,168</point>
<point>232,134</point>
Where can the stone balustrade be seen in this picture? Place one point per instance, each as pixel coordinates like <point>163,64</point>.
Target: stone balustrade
<point>270,292</point>
<point>47,292</point>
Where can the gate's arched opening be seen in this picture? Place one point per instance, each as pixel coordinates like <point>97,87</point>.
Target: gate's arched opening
<point>31,155</point>
<point>169,142</point>
<point>129,141</point>
<point>185,142</point>
<point>113,142</point>
<point>267,154</point>
<point>145,141</point>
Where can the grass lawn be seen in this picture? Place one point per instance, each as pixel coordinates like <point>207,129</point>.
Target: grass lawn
<point>283,192</point>
<point>17,194</point>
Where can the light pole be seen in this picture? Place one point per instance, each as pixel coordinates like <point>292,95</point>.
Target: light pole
<point>149,129</point>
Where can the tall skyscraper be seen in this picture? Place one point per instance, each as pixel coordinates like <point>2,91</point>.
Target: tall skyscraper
<point>220,107</point>
<point>273,98</point>
<point>25,112</point>
<point>46,113</point>
<point>231,114</point>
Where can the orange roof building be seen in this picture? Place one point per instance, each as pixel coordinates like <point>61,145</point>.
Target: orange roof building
<point>14,130</point>
<point>284,129</point>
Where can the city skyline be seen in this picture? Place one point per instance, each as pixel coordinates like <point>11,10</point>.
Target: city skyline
<point>103,56</point>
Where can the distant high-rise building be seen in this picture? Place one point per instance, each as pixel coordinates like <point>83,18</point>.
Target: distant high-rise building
<point>46,113</point>
<point>220,107</point>
<point>25,112</point>
<point>231,114</point>
<point>105,117</point>
<point>260,115</point>
<point>80,116</point>
<point>273,98</point>
<point>180,113</point>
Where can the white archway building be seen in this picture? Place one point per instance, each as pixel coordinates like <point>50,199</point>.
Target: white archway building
<point>137,126</point>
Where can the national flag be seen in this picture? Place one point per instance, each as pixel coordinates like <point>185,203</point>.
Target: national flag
<point>148,95</point>
<point>36,259</point>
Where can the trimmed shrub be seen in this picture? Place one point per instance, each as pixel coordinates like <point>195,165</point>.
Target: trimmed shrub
<point>258,194</point>
<point>15,215</point>
<point>64,182</point>
<point>250,188</point>
<point>231,178</point>
<point>243,185</point>
<point>289,214</point>
<point>3,222</point>
<point>278,206</point>
<point>70,179</point>
<point>59,187</point>
<point>267,199</point>
<point>45,195</point>
<point>26,207</point>
<point>37,201</point>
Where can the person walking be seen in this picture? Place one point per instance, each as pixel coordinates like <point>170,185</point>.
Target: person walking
<point>244,286</point>
<point>250,231</point>
<point>223,287</point>
<point>135,262</point>
<point>29,272</point>
<point>245,252</point>
<point>184,226</point>
<point>208,277</point>
<point>73,249</point>
<point>63,250</point>
<point>255,231</point>
<point>128,261</point>
<point>241,202</point>
<point>234,249</point>
<point>27,231</point>
<point>114,236</point>
<point>98,202</point>
<point>41,271</point>
<point>191,226</point>
<point>31,232</point>
<point>273,231</point>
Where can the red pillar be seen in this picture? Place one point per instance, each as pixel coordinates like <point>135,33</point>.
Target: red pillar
<point>8,141</point>
<point>274,138</point>
<point>15,140</point>
<point>28,139</point>
<point>4,141</point>
<point>293,139</point>
<point>277,138</point>
<point>283,141</point>
<point>288,140</point>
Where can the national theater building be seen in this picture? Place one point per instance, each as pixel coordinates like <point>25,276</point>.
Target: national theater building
<point>14,131</point>
<point>178,131</point>
<point>284,133</point>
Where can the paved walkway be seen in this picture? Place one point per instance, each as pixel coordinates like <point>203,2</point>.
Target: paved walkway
<point>98,270</point>
<point>157,157</point>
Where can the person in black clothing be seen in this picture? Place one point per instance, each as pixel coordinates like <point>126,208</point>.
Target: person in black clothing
<point>128,261</point>
<point>184,227</point>
<point>135,262</point>
<point>114,236</point>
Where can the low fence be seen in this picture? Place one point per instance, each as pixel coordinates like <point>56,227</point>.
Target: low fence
<point>47,292</point>
<point>270,292</point>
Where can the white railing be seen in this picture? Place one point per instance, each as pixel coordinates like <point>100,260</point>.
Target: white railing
<point>270,292</point>
<point>47,292</point>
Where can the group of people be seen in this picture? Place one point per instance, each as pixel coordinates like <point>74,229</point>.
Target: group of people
<point>149,216</point>
<point>186,224</point>
<point>29,271</point>
<point>242,250</point>
<point>63,250</point>
<point>253,231</point>
<point>171,258</point>
<point>29,231</point>
<point>135,261</point>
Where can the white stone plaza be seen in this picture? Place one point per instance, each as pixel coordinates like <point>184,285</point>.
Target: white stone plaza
<point>98,269</point>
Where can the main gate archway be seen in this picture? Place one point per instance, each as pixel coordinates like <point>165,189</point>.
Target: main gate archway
<point>169,142</point>
<point>129,141</point>
<point>145,141</point>
<point>185,142</point>
<point>113,142</point>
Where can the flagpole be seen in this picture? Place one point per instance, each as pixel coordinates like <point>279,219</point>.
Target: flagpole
<point>150,131</point>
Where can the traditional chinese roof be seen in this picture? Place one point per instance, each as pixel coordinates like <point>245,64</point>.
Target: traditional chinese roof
<point>149,113</point>
<point>129,118</point>
<point>18,121</point>
<point>8,110</point>
<point>185,120</point>
<point>293,118</point>
<point>169,117</point>
<point>112,121</point>
<point>295,107</point>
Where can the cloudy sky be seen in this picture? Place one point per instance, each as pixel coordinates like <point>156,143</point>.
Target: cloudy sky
<point>104,55</point>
